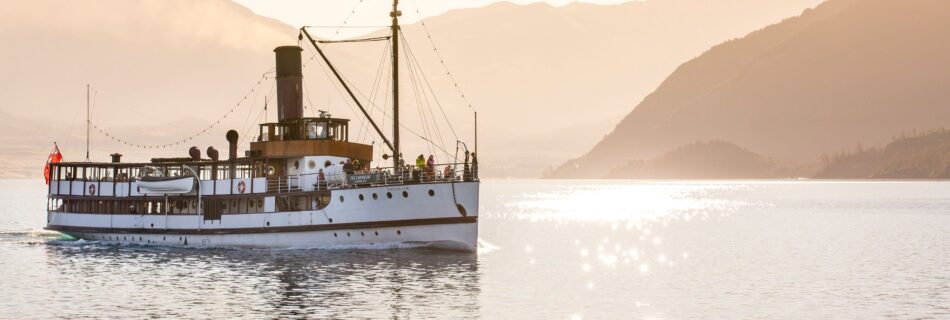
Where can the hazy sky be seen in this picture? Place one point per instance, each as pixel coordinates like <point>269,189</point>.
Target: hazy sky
<point>368,12</point>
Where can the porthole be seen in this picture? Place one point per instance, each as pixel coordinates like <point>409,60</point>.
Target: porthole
<point>347,234</point>
<point>376,232</point>
<point>362,234</point>
<point>375,196</point>
<point>311,164</point>
<point>250,203</point>
<point>140,238</point>
<point>327,164</point>
<point>260,203</point>
<point>389,195</point>
<point>341,199</point>
<point>431,193</point>
<point>268,223</point>
<point>331,220</point>
<point>334,234</point>
<point>361,197</point>
<point>398,232</point>
<point>152,225</point>
<point>163,238</point>
<point>405,194</point>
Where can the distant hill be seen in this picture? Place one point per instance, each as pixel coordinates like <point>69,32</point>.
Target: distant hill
<point>548,81</point>
<point>923,156</point>
<point>702,160</point>
<point>844,72</point>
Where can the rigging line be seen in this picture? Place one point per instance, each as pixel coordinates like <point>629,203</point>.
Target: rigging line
<point>373,92</point>
<point>414,62</point>
<point>346,26</point>
<point>415,95</point>
<point>250,110</point>
<point>403,126</point>
<point>434,97</point>
<point>346,101</point>
<point>257,120</point>
<point>307,95</point>
<point>336,33</point>
<point>247,132</point>
<point>441,59</point>
<point>356,40</point>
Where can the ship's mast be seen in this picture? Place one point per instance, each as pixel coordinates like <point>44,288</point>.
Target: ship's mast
<point>87,122</point>
<point>395,40</point>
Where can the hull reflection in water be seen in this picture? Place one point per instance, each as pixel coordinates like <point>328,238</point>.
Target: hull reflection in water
<point>273,283</point>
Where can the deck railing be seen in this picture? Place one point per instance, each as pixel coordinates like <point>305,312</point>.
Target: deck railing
<point>447,172</point>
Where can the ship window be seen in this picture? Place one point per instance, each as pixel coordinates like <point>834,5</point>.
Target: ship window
<point>361,197</point>
<point>389,195</point>
<point>321,130</point>
<point>375,196</point>
<point>431,193</point>
<point>405,194</point>
<point>297,164</point>
<point>327,164</point>
<point>311,130</point>
<point>341,199</point>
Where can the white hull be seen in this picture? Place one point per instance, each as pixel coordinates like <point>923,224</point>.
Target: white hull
<point>427,214</point>
<point>458,236</point>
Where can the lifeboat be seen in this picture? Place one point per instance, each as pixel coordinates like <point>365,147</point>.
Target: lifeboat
<point>166,185</point>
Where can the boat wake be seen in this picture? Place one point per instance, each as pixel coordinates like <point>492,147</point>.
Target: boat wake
<point>32,236</point>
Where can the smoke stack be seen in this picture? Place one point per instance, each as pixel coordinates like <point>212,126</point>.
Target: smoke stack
<point>289,83</point>
<point>232,137</point>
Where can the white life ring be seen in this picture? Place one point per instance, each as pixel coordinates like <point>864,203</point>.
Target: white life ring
<point>241,187</point>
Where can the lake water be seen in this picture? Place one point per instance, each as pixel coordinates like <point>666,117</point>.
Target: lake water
<point>548,250</point>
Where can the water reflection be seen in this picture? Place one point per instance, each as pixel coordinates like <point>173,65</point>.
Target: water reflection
<point>271,283</point>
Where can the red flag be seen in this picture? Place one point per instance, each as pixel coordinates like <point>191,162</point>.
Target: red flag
<point>54,157</point>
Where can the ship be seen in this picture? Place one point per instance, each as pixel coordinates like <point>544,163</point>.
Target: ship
<point>300,184</point>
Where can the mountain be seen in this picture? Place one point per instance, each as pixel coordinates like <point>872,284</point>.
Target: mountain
<point>703,160</point>
<point>547,80</point>
<point>845,72</point>
<point>920,156</point>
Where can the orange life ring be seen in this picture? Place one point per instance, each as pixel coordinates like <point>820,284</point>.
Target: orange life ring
<point>241,187</point>
<point>92,189</point>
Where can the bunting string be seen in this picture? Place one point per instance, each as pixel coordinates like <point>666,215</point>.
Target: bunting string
<point>186,139</point>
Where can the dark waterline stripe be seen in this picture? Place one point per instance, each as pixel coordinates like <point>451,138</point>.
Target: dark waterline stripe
<point>320,227</point>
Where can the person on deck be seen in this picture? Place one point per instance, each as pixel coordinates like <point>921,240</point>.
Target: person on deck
<point>474,166</point>
<point>466,170</point>
<point>420,165</point>
<point>430,167</point>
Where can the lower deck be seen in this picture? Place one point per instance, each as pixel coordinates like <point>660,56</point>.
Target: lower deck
<point>372,210</point>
